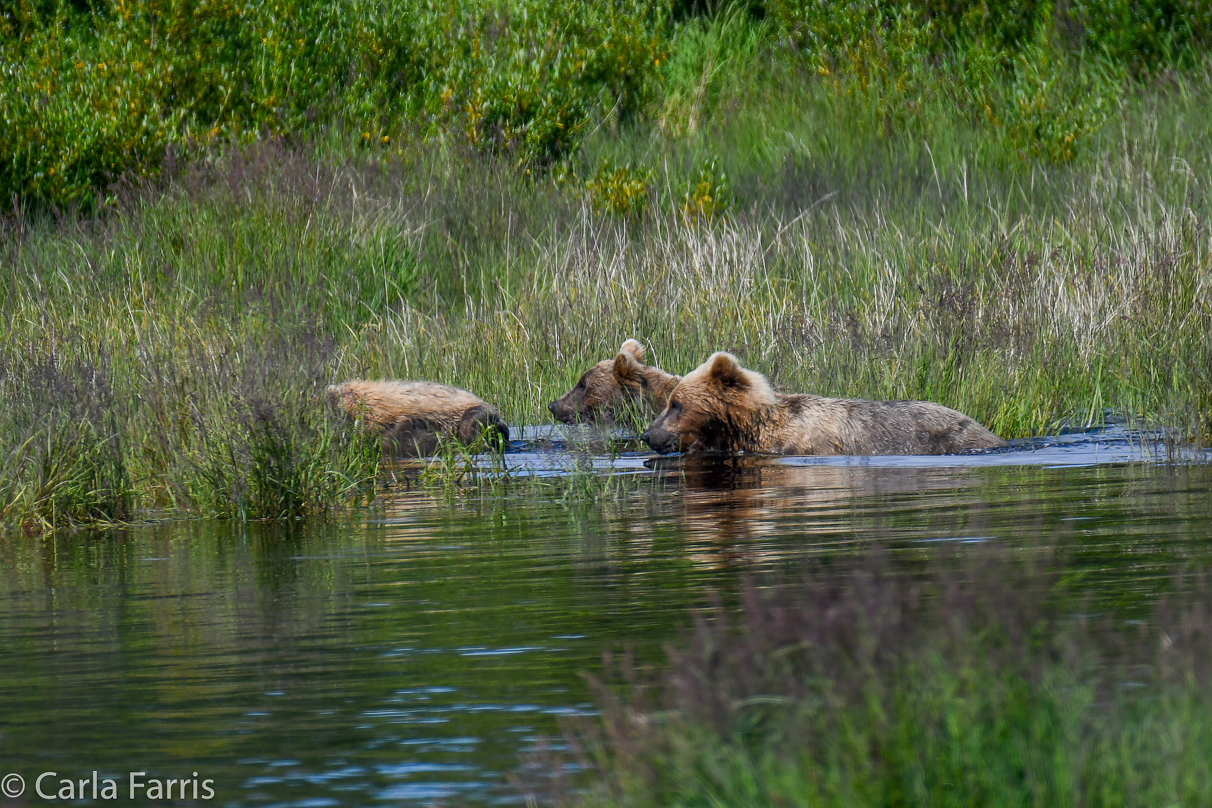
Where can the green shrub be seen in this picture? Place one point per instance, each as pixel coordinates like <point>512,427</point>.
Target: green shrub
<point>708,193</point>
<point>1042,77</point>
<point>1050,109</point>
<point>89,94</point>
<point>1140,34</point>
<point>621,190</point>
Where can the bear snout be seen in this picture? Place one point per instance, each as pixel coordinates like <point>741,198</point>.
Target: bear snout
<point>661,440</point>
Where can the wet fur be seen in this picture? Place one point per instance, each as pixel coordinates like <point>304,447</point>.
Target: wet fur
<point>611,384</point>
<point>723,407</point>
<point>412,417</point>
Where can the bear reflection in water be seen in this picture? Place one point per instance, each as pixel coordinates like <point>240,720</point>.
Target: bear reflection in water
<point>746,510</point>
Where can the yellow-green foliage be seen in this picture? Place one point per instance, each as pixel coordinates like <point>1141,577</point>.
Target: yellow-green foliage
<point>619,189</point>
<point>87,95</point>
<point>89,91</point>
<point>1139,33</point>
<point>1043,78</point>
<point>708,194</point>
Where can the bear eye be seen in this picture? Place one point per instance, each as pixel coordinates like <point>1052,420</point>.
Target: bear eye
<point>674,406</point>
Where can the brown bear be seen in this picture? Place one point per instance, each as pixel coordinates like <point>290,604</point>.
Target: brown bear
<point>413,417</point>
<point>612,384</point>
<point>723,407</point>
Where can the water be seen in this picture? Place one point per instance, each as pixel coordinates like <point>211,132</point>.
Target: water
<point>410,654</point>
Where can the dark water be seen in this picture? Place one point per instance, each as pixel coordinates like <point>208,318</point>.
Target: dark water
<point>410,654</point>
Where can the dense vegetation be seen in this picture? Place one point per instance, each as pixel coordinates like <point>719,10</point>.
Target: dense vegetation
<point>877,684</point>
<point>218,208</point>
<point>95,89</point>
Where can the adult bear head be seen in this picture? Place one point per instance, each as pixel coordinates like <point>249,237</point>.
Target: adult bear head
<point>719,406</point>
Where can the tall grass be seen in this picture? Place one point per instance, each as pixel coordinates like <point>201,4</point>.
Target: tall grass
<point>184,330</point>
<point>1028,300</point>
<point>65,460</point>
<point>187,335</point>
<point>869,684</point>
<point>175,416</point>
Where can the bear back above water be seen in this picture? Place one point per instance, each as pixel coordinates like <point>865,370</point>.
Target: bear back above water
<point>723,407</point>
<point>612,384</point>
<point>412,417</point>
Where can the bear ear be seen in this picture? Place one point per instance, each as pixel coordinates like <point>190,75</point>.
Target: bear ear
<point>625,365</point>
<point>634,348</point>
<point>725,370</point>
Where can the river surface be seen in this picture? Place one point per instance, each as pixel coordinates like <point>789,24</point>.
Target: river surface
<point>410,653</point>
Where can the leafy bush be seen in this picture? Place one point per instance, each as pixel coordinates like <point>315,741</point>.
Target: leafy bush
<point>708,194</point>
<point>1143,33</point>
<point>88,94</point>
<point>91,91</point>
<point>1043,77</point>
<point>619,189</point>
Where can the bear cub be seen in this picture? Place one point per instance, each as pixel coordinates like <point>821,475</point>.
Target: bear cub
<point>412,417</point>
<point>610,385</point>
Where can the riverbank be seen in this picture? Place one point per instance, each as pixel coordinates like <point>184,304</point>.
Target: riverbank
<point>166,348</point>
